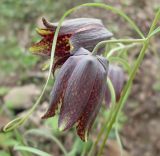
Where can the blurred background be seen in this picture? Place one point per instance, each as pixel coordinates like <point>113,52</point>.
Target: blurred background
<point>21,79</point>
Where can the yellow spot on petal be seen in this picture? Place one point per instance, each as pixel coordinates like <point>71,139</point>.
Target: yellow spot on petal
<point>46,65</point>
<point>86,136</point>
<point>37,49</point>
<point>43,31</point>
<point>71,46</point>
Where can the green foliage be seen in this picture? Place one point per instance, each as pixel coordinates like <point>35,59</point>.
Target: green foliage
<point>7,140</point>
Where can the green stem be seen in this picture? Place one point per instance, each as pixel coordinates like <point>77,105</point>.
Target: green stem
<point>155,21</point>
<point>119,104</point>
<point>124,47</point>
<point>129,83</point>
<point>112,91</point>
<point>127,41</point>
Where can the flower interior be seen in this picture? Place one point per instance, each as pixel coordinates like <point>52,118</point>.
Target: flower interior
<point>44,46</point>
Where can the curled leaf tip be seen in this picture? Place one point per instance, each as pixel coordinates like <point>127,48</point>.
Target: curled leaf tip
<point>13,124</point>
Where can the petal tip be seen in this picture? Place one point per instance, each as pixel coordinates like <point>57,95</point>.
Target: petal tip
<point>83,136</point>
<point>44,117</point>
<point>47,115</point>
<point>48,24</point>
<point>62,126</point>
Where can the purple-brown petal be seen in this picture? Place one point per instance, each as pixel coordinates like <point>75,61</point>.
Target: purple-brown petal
<point>82,51</point>
<point>116,75</point>
<point>78,91</point>
<point>93,106</point>
<point>86,32</point>
<point>73,25</point>
<point>60,85</point>
<point>59,62</point>
<point>48,25</point>
<point>90,36</point>
<point>73,34</point>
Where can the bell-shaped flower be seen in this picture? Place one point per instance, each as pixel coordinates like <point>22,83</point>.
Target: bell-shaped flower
<point>74,34</point>
<point>79,90</point>
<point>116,75</point>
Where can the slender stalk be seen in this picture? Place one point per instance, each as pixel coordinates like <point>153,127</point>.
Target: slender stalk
<point>131,77</point>
<point>112,91</point>
<point>133,41</point>
<point>155,21</point>
<point>110,53</point>
<point>127,41</point>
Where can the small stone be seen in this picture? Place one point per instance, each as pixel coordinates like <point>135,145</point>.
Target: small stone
<point>21,97</point>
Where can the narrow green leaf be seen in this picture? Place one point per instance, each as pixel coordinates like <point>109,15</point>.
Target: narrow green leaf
<point>31,150</point>
<point>13,124</point>
<point>48,135</point>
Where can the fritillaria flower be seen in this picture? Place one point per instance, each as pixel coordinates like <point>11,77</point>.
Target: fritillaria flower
<point>74,34</point>
<point>116,75</point>
<point>80,85</point>
<point>79,90</point>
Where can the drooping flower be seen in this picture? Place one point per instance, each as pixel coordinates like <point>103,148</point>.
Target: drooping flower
<point>74,34</point>
<point>116,75</point>
<point>80,85</point>
<point>79,89</point>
